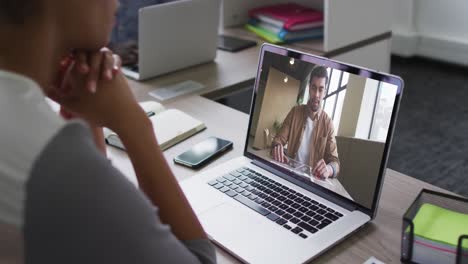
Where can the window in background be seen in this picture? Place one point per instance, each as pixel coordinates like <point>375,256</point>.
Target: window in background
<point>383,111</point>
<point>336,92</point>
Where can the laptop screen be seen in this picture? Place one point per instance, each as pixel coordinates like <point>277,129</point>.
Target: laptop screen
<point>325,123</point>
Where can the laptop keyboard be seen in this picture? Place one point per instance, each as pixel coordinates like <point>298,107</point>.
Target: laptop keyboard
<point>295,212</point>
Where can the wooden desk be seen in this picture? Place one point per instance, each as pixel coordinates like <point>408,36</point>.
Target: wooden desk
<point>381,238</point>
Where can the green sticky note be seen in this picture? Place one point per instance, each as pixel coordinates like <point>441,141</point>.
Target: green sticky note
<point>440,225</point>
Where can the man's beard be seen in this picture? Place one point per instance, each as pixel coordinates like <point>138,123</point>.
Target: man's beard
<point>314,107</point>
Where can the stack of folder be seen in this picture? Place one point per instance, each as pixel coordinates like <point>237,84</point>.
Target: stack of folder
<point>436,234</point>
<point>284,23</point>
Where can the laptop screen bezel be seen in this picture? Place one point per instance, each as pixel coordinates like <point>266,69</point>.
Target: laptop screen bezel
<point>343,67</point>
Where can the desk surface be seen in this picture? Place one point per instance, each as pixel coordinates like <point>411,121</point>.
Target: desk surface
<point>381,238</point>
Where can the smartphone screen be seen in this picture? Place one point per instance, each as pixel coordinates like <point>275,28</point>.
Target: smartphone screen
<point>203,151</point>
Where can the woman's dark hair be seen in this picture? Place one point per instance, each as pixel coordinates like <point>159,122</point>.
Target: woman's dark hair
<point>16,11</point>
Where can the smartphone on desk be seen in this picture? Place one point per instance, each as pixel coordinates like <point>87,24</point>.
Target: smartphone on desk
<point>203,152</point>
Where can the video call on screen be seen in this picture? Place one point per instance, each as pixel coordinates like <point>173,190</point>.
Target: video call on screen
<point>327,122</point>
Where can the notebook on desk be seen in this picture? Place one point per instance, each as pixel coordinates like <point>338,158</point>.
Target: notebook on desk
<point>171,126</point>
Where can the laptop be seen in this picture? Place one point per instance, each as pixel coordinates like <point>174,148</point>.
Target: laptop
<point>263,209</point>
<point>175,35</point>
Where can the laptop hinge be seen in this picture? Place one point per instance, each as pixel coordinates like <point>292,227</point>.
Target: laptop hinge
<point>341,202</point>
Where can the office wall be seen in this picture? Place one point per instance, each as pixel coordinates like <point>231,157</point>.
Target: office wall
<point>278,99</point>
<point>431,28</point>
<point>352,106</point>
<point>358,107</point>
<point>359,167</point>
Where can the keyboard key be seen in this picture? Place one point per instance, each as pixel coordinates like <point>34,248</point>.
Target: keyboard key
<point>229,177</point>
<point>300,195</point>
<point>247,180</point>
<point>298,214</point>
<point>225,189</point>
<point>303,209</point>
<point>234,186</point>
<point>281,221</point>
<point>249,188</point>
<point>296,230</point>
<point>266,204</point>
<point>331,216</point>
<point>314,202</point>
<point>313,222</point>
<point>326,221</point>
<point>321,226</point>
<point>245,173</point>
<point>295,205</point>
<point>237,181</point>
<point>307,198</point>
<point>299,200</point>
<point>231,193</point>
<point>294,220</point>
<point>221,179</point>
<point>274,195</point>
<point>292,196</point>
<point>306,204</point>
<point>243,178</point>
<point>306,218</point>
<point>213,182</point>
<point>281,198</point>
<point>246,193</point>
<point>338,214</point>
<point>273,208</point>
<point>262,195</point>
<point>240,190</point>
<point>322,206</point>
<point>318,217</point>
<point>280,212</point>
<point>254,191</point>
<point>283,206</point>
<point>330,210</point>
<point>259,200</point>
<point>227,183</point>
<point>243,184</point>
<point>240,170</point>
<point>308,227</point>
<point>276,202</point>
<point>252,205</point>
<point>287,227</point>
<point>287,216</point>
<point>303,235</point>
<point>235,174</point>
<point>269,199</point>
<point>252,196</point>
<point>321,211</point>
<point>218,185</point>
<point>273,217</point>
<point>314,207</point>
<point>290,210</point>
<point>288,201</point>
<point>310,213</point>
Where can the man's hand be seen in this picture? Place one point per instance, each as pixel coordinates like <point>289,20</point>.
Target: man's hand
<point>322,170</point>
<point>278,154</point>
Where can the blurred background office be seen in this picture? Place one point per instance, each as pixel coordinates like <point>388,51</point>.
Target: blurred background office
<point>429,49</point>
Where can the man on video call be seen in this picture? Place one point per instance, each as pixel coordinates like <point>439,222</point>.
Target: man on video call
<point>309,133</point>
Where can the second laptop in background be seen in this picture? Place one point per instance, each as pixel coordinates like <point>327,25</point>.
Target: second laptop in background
<point>175,35</point>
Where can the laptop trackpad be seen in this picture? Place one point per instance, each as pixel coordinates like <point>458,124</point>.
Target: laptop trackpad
<point>241,230</point>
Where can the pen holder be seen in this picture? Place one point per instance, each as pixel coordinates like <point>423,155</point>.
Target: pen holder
<point>419,229</point>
